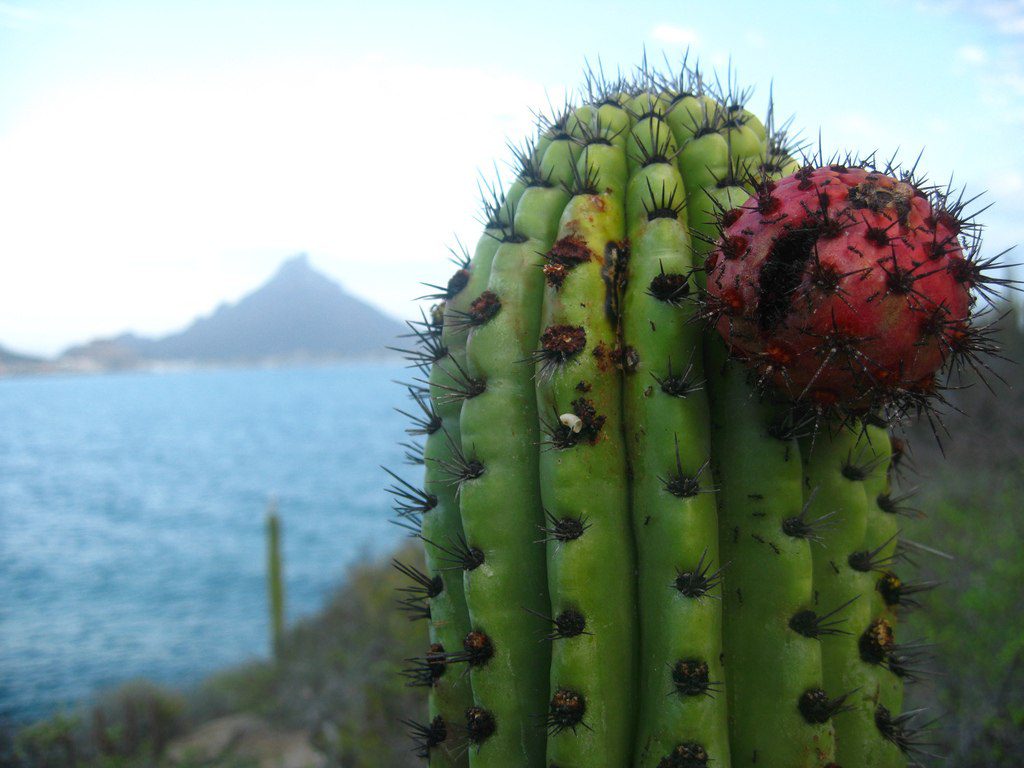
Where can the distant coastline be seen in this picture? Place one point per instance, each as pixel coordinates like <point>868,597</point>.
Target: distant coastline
<point>85,366</point>
<point>298,317</point>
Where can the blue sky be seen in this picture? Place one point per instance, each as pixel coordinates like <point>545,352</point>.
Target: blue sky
<point>157,158</point>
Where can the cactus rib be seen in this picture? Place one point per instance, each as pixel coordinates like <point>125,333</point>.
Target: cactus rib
<point>501,508</point>
<point>583,466</point>
<point>682,697</point>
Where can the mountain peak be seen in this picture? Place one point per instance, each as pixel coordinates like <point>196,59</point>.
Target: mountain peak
<point>295,264</point>
<point>299,313</point>
<point>298,274</point>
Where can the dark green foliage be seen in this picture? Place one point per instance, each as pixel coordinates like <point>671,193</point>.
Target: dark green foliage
<point>339,674</point>
<point>128,726</point>
<point>972,498</point>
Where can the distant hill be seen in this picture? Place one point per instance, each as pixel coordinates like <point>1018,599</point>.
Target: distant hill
<point>7,357</point>
<point>15,363</point>
<point>299,314</point>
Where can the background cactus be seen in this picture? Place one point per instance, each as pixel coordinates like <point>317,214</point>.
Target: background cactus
<point>706,564</point>
<point>275,580</point>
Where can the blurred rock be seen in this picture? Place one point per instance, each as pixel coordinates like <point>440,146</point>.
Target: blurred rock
<point>244,739</point>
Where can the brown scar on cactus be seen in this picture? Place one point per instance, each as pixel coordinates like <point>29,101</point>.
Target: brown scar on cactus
<point>687,755</point>
<point>565,255</point>
<point>877,642</point>
<point>607,357</point>
<point>559,345</point>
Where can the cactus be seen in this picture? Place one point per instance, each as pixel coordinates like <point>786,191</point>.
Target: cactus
<point>659,532</point>
<point>275,581</point>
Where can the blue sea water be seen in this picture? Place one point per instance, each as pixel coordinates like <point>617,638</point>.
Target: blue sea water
<point>132,517</point>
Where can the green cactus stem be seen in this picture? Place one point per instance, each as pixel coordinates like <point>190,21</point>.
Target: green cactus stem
<point>728,143</point>
<point>501,503</point>
<point>770,634</point>
<point>772,626</point>
<point>877,640</point>
<point>448,552</point>
<point>433,512</point>
<point>840,580</point>
<point>583,468</point>
<point>682,700</point>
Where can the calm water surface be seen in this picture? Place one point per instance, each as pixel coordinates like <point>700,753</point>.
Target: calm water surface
<point>132,512</point>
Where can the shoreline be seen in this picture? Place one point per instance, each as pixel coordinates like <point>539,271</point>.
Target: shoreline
<point>77,369</point>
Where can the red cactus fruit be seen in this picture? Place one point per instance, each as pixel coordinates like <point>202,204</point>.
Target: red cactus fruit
<point>843,286</point>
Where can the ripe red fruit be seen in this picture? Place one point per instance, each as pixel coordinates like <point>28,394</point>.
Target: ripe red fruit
<point>843,286</point>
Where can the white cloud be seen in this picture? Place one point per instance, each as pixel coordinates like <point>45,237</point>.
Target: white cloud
<point>12,15</point>
<point>995,65</point>
<point>1014,81</point>
<point>1007,16</point>
<point>671,34</point>
<point>972,54</point>
<point>1004,12</point>
<point>143,202</point>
